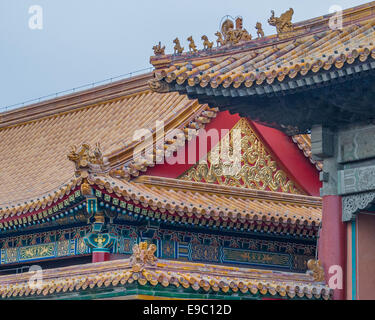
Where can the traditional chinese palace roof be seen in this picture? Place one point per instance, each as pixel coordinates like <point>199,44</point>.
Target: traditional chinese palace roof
<point>72,175</point>
<point>40,136</point>
<point>276,71</point>
<point>35,141</point>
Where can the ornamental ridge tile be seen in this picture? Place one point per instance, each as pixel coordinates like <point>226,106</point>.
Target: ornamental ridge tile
<point>310,47</point>
<point>169,274</point>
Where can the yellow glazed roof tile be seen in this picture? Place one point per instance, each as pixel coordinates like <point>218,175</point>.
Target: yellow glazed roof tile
<point>191,202</point>
<point>33,154</point>
<point>311,47</point>
<point>304,143</point>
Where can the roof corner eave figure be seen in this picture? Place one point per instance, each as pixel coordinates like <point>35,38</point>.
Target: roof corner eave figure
<point>158,86</point>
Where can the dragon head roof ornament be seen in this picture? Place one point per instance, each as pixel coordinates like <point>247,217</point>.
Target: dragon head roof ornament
<point>283,24</point>
<point>316,270</point>
<point>158,86</point>
<point>87,159</point>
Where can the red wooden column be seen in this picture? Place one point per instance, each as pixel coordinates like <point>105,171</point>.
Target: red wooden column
<point>332,243</point>
<point>100,256</point>
<point>332,238</point>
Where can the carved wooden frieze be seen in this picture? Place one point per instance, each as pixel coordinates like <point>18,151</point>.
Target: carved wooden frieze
<point>357,144</point>
<point>356,180</point>
<point>354,203</point>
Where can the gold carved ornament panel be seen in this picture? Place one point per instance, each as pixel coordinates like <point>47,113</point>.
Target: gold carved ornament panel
<point>258,169</point>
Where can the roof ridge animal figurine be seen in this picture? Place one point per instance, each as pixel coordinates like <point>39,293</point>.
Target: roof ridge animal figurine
<point>192,46</point>
<point>206,43</point>
<point>177,48</point>
<point>158,49</point>
<point>219,41</point>
<point>260,32</point>
<point>233,34</point>
<point>284,22</point>
<point>315,269</point>
<point>143,255</point>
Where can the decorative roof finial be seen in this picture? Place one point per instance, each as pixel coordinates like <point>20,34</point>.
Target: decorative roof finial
<point>316,270</point>
<point>143,254</point>
<point>192,46</point>
<point>158,49</point>
<point>177,48</point>
<point>260,32</point>
<point>283,24</point>
<point>158,86</point>
<point>219,41</point>
<point>233,35</point>
<point>206,43</point>
<point>86,158</point>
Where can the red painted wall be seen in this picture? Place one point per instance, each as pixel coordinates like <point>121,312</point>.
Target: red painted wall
<point>224,120</point>
<point>291,158</point>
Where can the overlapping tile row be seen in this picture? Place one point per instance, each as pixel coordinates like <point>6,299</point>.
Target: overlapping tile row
<point>326,50</point>
<point>176,200</point>
<point>155,152</point>
<point>214,205</point>
<point>358,15</point>
<point>33,154</point>
<point>303,142</point>
<point>165,274</point>
<point>45,207</point>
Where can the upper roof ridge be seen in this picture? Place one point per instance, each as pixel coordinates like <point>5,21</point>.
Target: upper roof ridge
<point>233,38</point>
<point>75,101</point>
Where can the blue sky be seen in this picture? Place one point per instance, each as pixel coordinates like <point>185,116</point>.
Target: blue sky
<point>83,41</point>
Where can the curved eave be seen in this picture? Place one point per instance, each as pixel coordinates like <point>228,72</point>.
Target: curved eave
<point>324,97</point>
<point>303,142</point>
<point>38,210</point>
<point>92,108</point>
<point>165,274</point>
<point>179,203</point>
<point>184,203</point>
